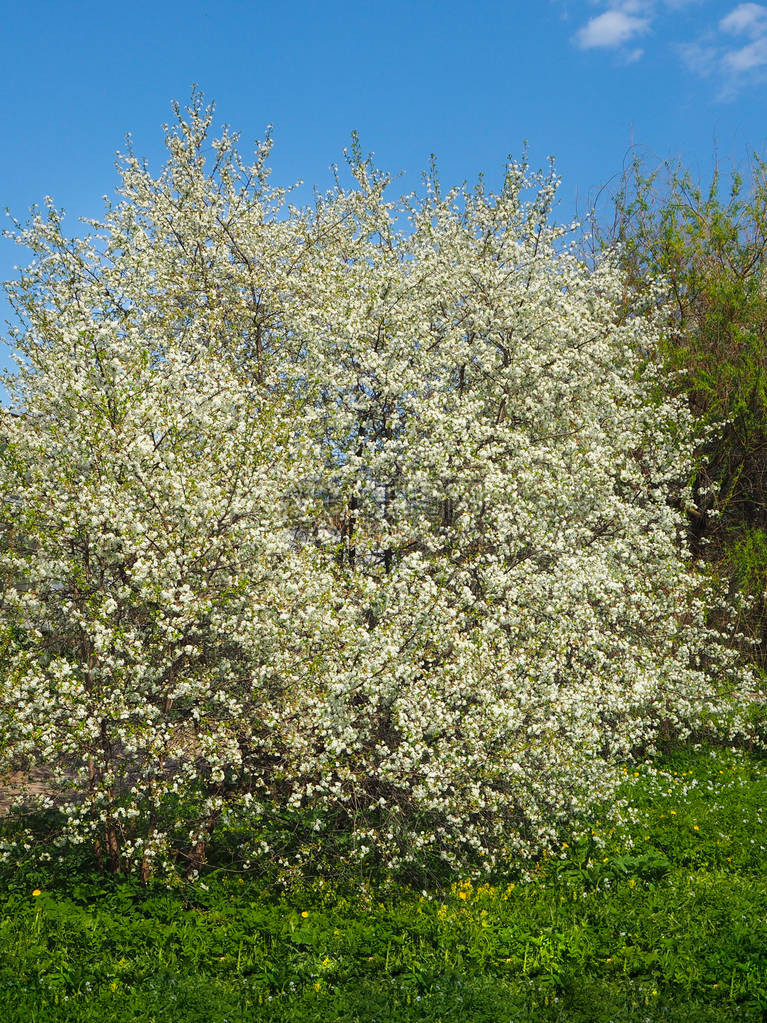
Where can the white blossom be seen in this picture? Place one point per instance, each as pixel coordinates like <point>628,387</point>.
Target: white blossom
<point>372,511</point>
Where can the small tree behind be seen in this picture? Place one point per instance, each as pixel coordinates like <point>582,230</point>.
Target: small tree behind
<point>709,246</point>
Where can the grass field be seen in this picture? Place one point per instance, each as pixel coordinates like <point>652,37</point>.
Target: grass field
<point>667,922</point>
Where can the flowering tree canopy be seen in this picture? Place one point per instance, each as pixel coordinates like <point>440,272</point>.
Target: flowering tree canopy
<point>361,519</point>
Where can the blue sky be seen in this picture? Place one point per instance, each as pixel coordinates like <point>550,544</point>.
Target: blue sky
<point>582,80</point>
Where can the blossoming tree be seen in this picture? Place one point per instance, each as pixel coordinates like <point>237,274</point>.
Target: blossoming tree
<point>347,520</point>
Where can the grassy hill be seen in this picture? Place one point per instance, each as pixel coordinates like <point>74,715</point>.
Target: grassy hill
<point>666,920</point>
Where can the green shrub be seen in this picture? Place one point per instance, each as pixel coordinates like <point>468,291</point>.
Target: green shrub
<point>709,247</point>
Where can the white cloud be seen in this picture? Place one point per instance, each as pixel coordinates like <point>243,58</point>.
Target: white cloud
<point>743,64</point>
<point>610,29</point>
<point>749,57</point>
<point>731,51</point>
<point>700,58</point>
<point>745,18</point>
<point>714,54</point>
<point>632,6</point>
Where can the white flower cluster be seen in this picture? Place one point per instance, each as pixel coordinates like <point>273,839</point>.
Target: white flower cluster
<point>365,514</point>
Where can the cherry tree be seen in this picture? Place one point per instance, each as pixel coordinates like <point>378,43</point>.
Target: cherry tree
<point>362,519</point>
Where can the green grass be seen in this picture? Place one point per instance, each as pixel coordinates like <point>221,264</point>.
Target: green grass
<point>665,922</point>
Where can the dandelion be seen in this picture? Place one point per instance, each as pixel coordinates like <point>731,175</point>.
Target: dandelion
<point>36,892</point>
<point>305,914</point>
